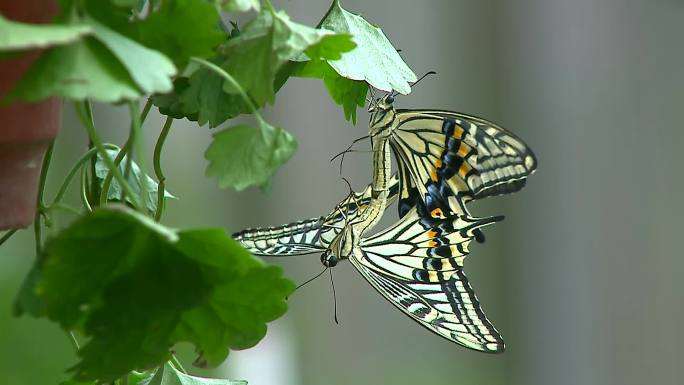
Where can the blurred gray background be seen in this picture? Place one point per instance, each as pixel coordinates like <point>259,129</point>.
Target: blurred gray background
<point>583,276</point>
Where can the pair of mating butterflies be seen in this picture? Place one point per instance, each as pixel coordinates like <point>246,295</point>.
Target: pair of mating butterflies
<point>445,159</point>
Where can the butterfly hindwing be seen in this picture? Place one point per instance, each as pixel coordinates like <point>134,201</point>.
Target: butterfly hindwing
<point>417,265</point>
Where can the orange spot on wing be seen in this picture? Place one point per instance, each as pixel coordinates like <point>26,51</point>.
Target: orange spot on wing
<point>433,175</point>
<point>437,213</point>
<point>463,150</point>
<point>458,132</point>
<point>463,170</point>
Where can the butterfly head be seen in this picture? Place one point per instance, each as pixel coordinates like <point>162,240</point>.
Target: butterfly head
<point>382,116</point>
<point>328,259</point>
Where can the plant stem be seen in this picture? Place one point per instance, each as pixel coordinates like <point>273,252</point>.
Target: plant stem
<point>74,341</point>
<point>92,133</point>
<point>158,169</point>
<point>37,229</point>
<point>139,146</point>
<point>84,192</point>
<point>70,175</point>
<point>7,236</point>
<point>119,157</point>
<point>177,363</point>
<point>104,192</point>
<point>234,83</point>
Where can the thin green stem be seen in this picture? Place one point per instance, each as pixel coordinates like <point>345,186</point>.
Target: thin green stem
<point>177,364</point>
<point>74,341</point>
<point>7,236</point>
<point>104,192</point>
<point>145,111</point>
<point>139,147</point>
<point>37,227</point>
<point>92,133</point>
<point>84,189</point>
<point>119,157</point>
<point>70,175</point>
<point>234,83</point>
<point>158,169</point>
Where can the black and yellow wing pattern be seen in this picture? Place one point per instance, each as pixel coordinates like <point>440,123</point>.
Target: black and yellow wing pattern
<point>417,265</point>
<point>448,158</point>
<point>311,235</point>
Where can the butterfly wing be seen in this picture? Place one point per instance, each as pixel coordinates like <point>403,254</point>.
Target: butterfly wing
<point>452,158</point>
<point>417,265</point>
<point>312,235</point>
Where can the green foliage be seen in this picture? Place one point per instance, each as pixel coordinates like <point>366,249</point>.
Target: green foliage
<point>168,375</point>
<point>129,285</point>
<point>375,60</point>
<point>20,36</point>
<point>348,93</point>
<point>85,69</point>
<point>269,41</point>
<point>197,20</point>
<point>259,153</point>
<point>133,179</point>
<point>239,5</point>
<point>135,288</point>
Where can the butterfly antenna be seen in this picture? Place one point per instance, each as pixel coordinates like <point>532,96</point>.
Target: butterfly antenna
<point>310,279</point>
<point>347,150</point>
<point>395,93</point>
<point>332,283</point>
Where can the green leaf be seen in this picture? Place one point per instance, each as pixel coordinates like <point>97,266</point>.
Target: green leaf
<point>206,99</point>
<point>170,103</point>
<point>125,3</point>
<point>182,29</point>
<point>20,36</point>
<point>348,93</point>
<point>140,378</point>
<point>150,70</point>
<point>168,375</point>
<point>244,156</point>
<point>77,383</point>
<point>135,288</point>
<point>374,60</point>
<point>85,69</point>
<point>133,180</point>
<point>239,5</point>
<point>246,295</point>
<point>269,41</point>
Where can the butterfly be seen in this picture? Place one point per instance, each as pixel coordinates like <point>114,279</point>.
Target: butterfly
<point>447,158</point>
<point>416,264</point>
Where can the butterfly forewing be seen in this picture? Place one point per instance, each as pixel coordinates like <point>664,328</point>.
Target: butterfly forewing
<point>312,235</point>
<point>452,158</point>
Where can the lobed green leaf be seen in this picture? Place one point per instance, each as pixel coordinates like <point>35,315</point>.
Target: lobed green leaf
<point>135,288</point>
<point>374,60</point>
<point>266,44</point>
<point>21,36</point>
<point>244,156</point>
